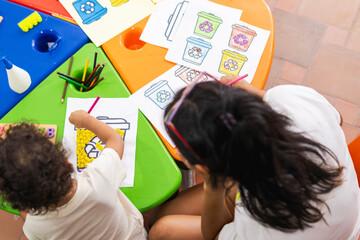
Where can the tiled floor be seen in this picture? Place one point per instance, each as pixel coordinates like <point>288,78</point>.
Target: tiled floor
<point>316,44</point>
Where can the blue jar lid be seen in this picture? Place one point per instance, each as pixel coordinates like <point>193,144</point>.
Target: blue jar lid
<point>199,41</point>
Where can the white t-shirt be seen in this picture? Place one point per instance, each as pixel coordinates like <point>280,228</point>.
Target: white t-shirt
<point>313,114</point>
<point>98,210</point>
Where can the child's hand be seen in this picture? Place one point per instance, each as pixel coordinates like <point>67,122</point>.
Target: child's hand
<point>78,118</point>
<point>243,84</point>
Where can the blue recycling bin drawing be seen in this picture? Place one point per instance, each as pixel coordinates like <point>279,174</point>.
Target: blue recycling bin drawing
<point>160,93</point>
<point>89,10</point>
<point>196,50</point>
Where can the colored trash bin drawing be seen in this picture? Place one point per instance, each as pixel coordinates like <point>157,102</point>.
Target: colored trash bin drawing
<point>207,24</point>
<point>116,3</point>
<point>196,50</point>
<point>89,10</point>
<point>89,146</point>
<point>160,93</point>
<point>231,62</point>
<point>175,19</point>
<point>241,37</point>
<point>188,75</point>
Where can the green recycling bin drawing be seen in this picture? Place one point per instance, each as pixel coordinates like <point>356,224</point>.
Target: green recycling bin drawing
<point>207,24</point>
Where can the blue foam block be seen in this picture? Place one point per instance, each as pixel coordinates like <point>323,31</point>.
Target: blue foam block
<point>33,51</point>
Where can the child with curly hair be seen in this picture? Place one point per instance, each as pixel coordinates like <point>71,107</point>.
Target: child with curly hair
<point>36,178</point>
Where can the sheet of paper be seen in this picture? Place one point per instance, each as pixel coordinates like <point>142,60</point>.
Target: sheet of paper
<point>124,117</point>
<point>162,26</point>
<point>208,40</point>
<point>153,98</point>
<point>102,20</point>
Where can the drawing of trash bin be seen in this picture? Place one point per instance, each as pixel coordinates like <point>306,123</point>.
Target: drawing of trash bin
<point>207,24</point>
<point>241,37</point>
<point>89,146</point>
<point>89,10</point>
<point>160,93</point>
<point>116,3</point>
<point>231,62</point>
<point>175,19</point>
<point>188,75</point>
<point>196,50</point>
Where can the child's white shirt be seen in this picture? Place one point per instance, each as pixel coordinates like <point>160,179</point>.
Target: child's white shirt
<point>98,210</point>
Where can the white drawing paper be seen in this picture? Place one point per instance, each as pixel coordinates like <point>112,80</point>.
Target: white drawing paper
<point>163,24</point>
<point>124,117</point>
<point>153,98</point>
<point>208,40</point>
<point>102,20</point>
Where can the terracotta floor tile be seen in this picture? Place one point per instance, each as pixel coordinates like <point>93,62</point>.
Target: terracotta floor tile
<point>350,132</point>
<point>10,227</point>
<point>334,12</point>
<point>296,38</point>
<point>347,110</point>
<point>287,5</point>
<point>293,73</point>
<point>353,42</point>
<point>271,3</point>
<point>276,68</point>
<point>335,72</point>
<point>335,35</point>
<point>358,120</point>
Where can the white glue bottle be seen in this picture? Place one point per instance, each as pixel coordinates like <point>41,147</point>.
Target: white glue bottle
<point>19,79</point>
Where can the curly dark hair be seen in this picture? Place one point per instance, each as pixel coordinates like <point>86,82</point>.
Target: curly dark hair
<point>281,174</point>
<point>34,172</point>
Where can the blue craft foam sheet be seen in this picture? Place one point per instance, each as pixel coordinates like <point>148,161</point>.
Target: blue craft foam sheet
<point>30,50</point>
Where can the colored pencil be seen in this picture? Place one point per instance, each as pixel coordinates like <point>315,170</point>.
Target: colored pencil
<point>66,83</point>
<point>64,18</point>
<point>95,58</point>
<point>96,83</point>
<point>73,82</point>
<point>96,75</point>
<point>93,105</point>
<point>74,79</point>
<point>92,74</point>
<point>84,74</point>
<point>55,44</point>
<point>235,80</point>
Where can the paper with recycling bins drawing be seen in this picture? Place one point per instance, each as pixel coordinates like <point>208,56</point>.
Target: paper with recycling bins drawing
<point>207,40</point>
<point>153,98</point>
<point>123,118</point>
<point>162,26</point>
<point>102,20</point>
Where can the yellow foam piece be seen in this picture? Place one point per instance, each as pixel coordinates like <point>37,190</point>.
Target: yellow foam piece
<point>30,21</point>
<point>1,18</point>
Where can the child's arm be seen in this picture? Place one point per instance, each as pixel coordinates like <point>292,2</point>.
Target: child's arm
<point>111,138</point>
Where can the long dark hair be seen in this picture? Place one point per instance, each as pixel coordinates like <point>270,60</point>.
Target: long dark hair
<point>281,174</point>
<point>34,173</point>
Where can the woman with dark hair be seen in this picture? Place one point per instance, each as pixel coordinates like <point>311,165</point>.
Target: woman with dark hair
<point>275,165</point>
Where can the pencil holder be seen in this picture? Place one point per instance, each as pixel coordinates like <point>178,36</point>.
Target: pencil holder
<point>46,41</point>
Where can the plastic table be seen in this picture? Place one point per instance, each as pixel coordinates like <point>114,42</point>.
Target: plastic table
<point>157,176</point>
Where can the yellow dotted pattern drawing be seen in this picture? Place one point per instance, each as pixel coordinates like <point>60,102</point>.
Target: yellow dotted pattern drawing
<point>84,142</point>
